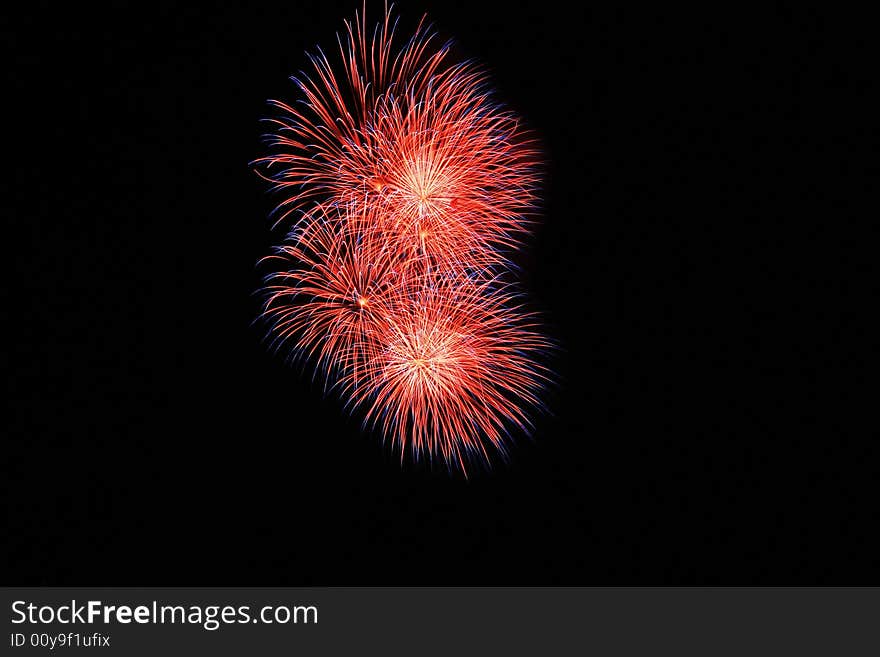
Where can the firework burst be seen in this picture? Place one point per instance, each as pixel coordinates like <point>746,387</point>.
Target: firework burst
<point>406,188</point>
<point>458,368</point>
<point>411,134</point>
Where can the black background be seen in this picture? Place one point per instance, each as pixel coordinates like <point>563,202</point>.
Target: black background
<point>153,439</point>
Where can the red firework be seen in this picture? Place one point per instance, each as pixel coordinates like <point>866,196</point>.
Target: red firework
<point>411,187</point>
<point>414,136</point>
<point>343,272</point>
<point>455,371</point>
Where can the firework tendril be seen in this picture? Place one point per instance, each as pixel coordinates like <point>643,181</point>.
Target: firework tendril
<point>406,188</point>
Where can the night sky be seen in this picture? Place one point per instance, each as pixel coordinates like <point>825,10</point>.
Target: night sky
<point>153,438</point>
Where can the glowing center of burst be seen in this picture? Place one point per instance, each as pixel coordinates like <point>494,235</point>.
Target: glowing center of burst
<point>428,358</point>
<point>426,368</point>
<point>362,302</point>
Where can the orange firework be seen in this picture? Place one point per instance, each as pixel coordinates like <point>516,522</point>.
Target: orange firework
<point>407,187</point>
